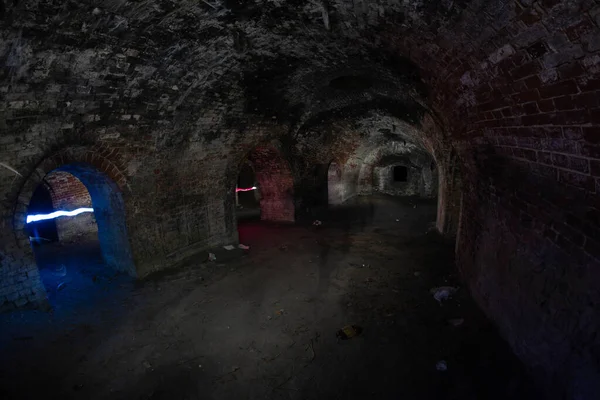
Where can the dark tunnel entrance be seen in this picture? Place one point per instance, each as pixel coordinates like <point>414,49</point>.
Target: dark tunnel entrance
<point>76,226</point>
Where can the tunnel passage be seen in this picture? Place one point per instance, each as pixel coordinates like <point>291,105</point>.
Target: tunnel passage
<point>399,170</point>
<point>403,176</point>
<point>74,251</point>
<point>275,184</point>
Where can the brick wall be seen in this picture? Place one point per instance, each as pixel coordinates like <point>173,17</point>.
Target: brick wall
<point>275,184</point>
<point>504,95</point>
<point>68,193</point>
<point>384,182</point>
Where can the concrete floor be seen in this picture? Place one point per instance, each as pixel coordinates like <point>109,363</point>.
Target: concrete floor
<point>262,325</point>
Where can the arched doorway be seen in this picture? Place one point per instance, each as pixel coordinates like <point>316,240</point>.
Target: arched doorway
<point>274,184</point>
<point>76,225</point>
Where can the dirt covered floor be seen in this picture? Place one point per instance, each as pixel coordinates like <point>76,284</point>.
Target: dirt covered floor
<point>262,324</point>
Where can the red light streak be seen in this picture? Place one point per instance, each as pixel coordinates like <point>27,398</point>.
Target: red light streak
<point>245,189</point>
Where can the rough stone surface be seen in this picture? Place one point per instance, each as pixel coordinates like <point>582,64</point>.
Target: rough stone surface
<point>68,193</point>
<point>168,98</point>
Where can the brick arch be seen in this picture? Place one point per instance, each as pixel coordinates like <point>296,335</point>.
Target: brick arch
<point>106,183</point>
<point>100,158</point>
<point>275,179</point>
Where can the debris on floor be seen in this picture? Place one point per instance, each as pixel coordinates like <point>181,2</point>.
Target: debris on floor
<point>316,222</point>
<point>443,293</point>
<point>456,321</point>
<point>212,257</point>
<point>228,247</point>
<point>348,332</point>
<point>61,286</point>
<point>243,247</point>
<point>441,366</point>
<point>283,247</point>
<point>280,312</point>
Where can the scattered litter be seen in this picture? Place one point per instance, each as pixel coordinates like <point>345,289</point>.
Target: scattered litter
<point>316,222</point>
<point>280,312</point>
<point>212,257</point>
<point>228,247</point>
<point>283,247</point>
<point>146,364</point>
<point>456,321</point>
<point>441,366</point>
<point>60,286</point>
<point>348,332</point>
<point>443,293</point>
<point>243,247</point>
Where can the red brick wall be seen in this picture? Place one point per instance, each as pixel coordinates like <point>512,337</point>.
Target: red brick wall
<point>68,193</point>
<point>275,184</point>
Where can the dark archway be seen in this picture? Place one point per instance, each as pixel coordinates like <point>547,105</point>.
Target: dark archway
<point>275,184</point>
<point>87,246</point>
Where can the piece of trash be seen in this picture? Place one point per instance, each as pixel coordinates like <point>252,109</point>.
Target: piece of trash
<point>316,222</point>
<point>228,247</point>
<point>212,257</point>
<point>146,364</point>
<point>443,293</point>
<point>283,247</point>
<point>456,321</point>
<point>441,366</point>
<point>280,312</point>
<point>243,247</point>
<point>60,286</point>
<point>348,332</point>
<point>397,220</point>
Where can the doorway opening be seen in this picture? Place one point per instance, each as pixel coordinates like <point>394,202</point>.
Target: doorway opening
<point>76,226</point>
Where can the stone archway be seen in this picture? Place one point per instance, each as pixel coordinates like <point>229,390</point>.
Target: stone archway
<point>106,185</point>
<point>275,183</point>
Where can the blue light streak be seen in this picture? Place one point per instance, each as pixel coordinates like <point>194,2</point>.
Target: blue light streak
<point>56,214</point>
